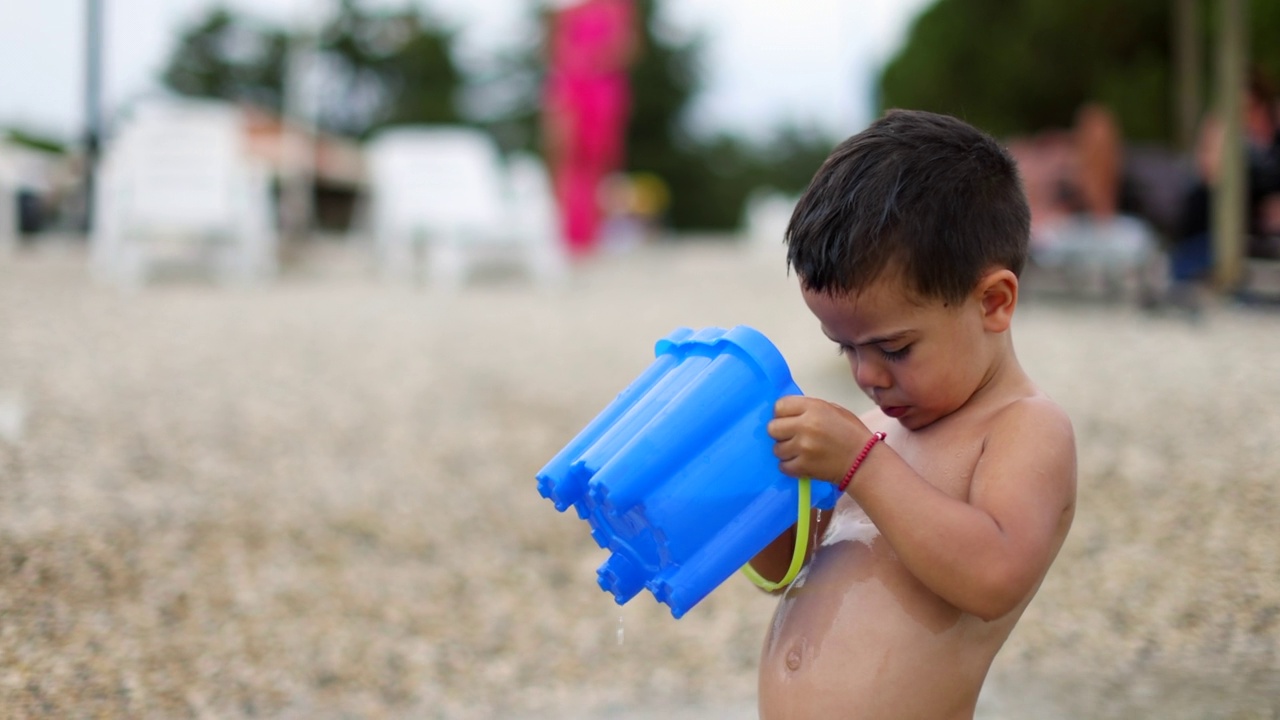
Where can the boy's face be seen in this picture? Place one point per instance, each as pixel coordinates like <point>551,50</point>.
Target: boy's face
<point>919,360</point>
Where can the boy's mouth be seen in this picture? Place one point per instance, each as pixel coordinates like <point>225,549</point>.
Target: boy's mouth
<point>894,411</point>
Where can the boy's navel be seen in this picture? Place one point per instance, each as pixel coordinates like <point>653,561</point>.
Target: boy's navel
<point>794,659</point>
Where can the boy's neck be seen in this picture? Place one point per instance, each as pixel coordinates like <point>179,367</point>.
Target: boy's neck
<point>1003,381</point>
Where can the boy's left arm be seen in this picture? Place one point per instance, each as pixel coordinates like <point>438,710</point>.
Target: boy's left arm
<point>986,554</point>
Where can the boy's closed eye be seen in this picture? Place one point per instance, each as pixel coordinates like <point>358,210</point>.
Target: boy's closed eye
<point>897,355</point>
<point>890,354</point>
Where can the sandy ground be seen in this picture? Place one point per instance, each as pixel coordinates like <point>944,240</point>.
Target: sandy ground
<point>316,499</point>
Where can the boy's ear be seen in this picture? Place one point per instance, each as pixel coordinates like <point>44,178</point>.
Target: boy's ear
<point>997,292</point>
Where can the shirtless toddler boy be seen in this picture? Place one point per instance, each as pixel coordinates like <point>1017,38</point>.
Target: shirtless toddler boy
<point>908,244</point>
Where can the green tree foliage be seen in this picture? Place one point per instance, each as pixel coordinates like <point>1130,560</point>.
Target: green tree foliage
<point>1264,37</point>
<point>1018,66</point>
<point>33,140</point>
<point>709,178</point>
<point>664,80</point>
<point>230,57</point>
<point>387,68</point>
<point>376,68</point>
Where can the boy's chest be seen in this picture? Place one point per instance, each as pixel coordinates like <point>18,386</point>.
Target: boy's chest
<point>946,459</point>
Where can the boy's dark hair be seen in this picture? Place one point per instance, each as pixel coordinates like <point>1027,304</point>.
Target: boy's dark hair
<point>923,194</point>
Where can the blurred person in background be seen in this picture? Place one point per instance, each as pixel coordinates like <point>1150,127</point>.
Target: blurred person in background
<point>634,205</point>
<point>587,100</point>
<point>1191,257</point>
<point>1085,223</point>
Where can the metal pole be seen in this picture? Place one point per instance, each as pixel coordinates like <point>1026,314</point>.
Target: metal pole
<point>1229,211</point>
<point>92,104</point>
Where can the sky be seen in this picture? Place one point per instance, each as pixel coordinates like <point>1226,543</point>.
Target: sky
<point>767,62</point>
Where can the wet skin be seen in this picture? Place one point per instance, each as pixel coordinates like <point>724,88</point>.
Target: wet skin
<point>857,596</point>
<point>884,622</point>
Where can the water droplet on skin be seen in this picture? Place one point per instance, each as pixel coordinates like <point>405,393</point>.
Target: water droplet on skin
<point>620,630</point>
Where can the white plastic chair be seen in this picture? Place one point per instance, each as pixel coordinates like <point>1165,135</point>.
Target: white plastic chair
<point>177,187</point>
<point>442,197</point>
<point>535,217</point>
<point>765,218</point>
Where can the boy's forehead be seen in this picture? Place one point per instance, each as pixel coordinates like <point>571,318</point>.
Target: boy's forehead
<point>882,310</point>
<point>890,292</point>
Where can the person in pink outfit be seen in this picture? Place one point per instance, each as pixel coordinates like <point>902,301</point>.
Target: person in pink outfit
<point>587,101</point>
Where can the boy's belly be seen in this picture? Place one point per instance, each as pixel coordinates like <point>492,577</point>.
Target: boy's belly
<point>856,636</point>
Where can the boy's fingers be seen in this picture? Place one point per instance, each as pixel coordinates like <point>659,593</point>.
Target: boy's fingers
<point>774,428</point>
<point>789,405</point>
<point>782,428</point>
<point>790,467</point>
<point>784,450</point>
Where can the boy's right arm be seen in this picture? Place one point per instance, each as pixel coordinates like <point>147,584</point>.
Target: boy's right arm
<point>772,562</point>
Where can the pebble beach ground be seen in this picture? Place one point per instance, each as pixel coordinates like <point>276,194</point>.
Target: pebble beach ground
<point>315,499</point>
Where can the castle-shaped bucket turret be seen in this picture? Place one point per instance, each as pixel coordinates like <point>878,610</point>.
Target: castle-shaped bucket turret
<point>676,477</point>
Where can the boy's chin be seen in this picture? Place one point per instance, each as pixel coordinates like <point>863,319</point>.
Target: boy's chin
<point>917,418</point>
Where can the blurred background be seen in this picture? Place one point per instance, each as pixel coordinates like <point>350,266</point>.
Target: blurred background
<point>297,297</point>
<point>727,98</point>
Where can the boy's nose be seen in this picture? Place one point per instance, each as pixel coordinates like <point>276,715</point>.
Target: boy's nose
<point>870,374</point>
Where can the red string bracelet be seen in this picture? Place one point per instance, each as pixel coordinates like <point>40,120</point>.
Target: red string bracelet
<point>875,438</point>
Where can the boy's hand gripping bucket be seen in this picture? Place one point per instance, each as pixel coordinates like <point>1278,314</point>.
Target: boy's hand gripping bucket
<point>677,476</point>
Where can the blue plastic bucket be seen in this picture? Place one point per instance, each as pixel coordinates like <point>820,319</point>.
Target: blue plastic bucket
<point>676,477</point>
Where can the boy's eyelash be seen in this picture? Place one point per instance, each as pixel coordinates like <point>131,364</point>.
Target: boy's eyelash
<point>890,355</point>
<point>896,355</point>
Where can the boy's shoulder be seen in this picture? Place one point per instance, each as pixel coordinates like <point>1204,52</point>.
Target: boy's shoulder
<point>1033,413</point>
<point>1031,438</point>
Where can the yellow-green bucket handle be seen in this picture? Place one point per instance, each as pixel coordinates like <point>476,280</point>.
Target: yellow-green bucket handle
<point>801,546</point>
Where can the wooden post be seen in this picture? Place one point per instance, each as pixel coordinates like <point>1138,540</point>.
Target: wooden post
<point>1229,221</point>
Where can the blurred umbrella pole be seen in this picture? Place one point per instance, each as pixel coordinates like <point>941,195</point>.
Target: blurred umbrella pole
<point>1229,222</point>
<point>297,184</point>
<point>92,105</point>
